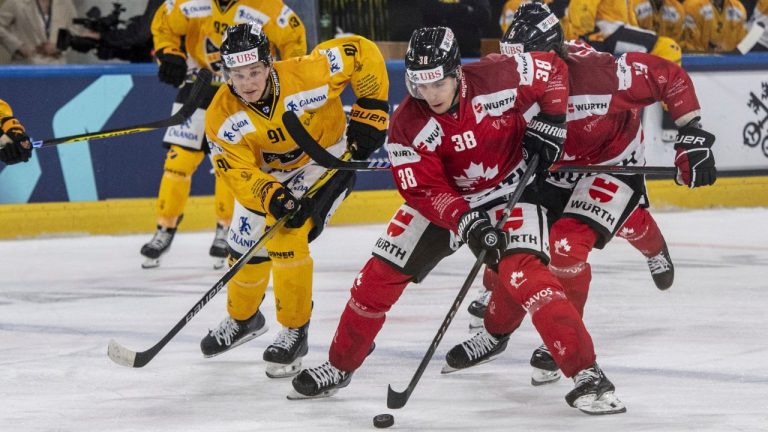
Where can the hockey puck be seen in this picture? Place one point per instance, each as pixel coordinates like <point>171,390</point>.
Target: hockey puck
<point>382,421</point>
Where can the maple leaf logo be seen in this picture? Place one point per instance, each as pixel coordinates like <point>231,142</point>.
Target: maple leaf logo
<point>562,247</point>
<point>560,348</point>
<point>516,279</point>
<point>626,232</point>
<point>474,174</point>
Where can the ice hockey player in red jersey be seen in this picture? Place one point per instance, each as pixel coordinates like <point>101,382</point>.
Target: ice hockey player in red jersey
<point>586,211</point>
<point>456,146</point>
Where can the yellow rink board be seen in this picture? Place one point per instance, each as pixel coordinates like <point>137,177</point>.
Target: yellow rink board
<point>127,216</point>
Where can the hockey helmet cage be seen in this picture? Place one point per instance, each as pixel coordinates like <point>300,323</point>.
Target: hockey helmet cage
<point>244,44</point>
<point>534,28</point>
<point>433,54</point>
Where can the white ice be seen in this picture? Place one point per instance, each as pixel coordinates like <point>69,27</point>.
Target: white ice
<point>693,358</point>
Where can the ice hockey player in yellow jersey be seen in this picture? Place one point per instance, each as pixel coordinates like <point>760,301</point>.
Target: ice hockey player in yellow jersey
<point>262,165</point>
<point>15,145</point>
<point>187,35</point>
<point>713,25</point>
<point>664,17</point>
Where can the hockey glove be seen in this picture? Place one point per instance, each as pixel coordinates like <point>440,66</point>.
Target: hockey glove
<point>544,136</point>
<point>476,230</point>
<point>367,127</point>
<point>283,202</point>
<point>173,66</point>
<point>694,159</point>
<point>16,146</point>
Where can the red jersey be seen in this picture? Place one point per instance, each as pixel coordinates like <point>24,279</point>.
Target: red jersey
<point>444,164</point>
<point>606,98</point>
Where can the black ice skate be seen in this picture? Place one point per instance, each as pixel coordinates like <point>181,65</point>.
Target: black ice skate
<point>231,333</point>
<point>545,370</point>
<point>594,393</point>
<point>662,269</point>
<point>283,357</point>
<point>480,348</point>
<point>219,247</point>
<point>319,382</point>
<point>477,310</point>
<point>156,247</point>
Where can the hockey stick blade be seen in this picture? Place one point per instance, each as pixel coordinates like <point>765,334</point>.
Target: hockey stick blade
<point>751,39</point>
<point>120,354</point>
<point>397,399</point>
<point>319,154</point>
<point>617,169</point>
<point>195,99</point>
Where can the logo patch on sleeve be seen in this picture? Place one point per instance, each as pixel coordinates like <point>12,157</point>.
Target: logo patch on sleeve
<point>494,104</point>
<point>244,14</point>
<point>401,155</point>
<point>196,8</point>
<point>429,137</point>
<point>310,99</point>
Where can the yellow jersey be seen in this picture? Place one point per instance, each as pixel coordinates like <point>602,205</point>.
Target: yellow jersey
<point>708,28</point>
<point>248,141</point>
<point>202,23</point>
<point>667,20</point>
<point>7,120</point>
<point>595,16</point>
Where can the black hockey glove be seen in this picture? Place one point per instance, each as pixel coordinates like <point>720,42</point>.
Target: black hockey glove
<point>694,159</point>
<point>544,136</point>
<point>173,66</point>
<point>476,230</point>
<point>367,127</point>
<point>19,149</point>
<point>283,202</point>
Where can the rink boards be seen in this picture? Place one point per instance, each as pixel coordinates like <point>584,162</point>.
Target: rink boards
<point>108,186</point>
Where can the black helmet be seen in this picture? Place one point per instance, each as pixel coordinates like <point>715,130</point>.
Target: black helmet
<point>534,28</point>
<point>244,44</point>
<point>433,54</point>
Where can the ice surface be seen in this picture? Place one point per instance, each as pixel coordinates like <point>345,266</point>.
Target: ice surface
<point>693,358</point>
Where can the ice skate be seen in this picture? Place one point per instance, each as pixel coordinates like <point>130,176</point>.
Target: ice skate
<point>545,370</point>
<point>157,247</point>
<point>477,309</point>
<point>231,333</point>
<point>662,269</point>
<point>480,348</point>
<point>594,393</point>
<point>218,249</point>
<point>319,382</point>
<point>283,357</point>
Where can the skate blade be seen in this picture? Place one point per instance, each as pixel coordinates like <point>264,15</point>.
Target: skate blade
<point>150,263</point>
<point>450,369</point>
<point>294,395</point>
<point>540,377</point>
<point>245,339</point>
<point>219,263</point>
<point>279,370</point>
<point>607,404</point>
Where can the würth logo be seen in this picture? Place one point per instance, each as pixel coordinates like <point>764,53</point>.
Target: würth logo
<point>602,190</point>
<point>399,223</point>
<point>753,131</point>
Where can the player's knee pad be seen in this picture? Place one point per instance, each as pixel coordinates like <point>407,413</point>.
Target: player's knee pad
<point>175,185</point>
<point>376,288</point>
<point>668,49</point>
<point>224,201</point>
<point>529,282</point>
<point>571,240</point>
<point>246,289</point>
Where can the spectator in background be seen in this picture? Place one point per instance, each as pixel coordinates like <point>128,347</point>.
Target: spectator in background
<point>664,17</point>
<point>760,16</point>
<point>29,29</point>
<point>713,25</point>
<point>466,18</point>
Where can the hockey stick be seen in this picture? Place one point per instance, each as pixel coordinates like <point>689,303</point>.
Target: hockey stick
<point>397,399</point>
<point>319,154</point>
<point>195,99</point>
<point>126,357</point>
<point>327,160</point>
<point>750,40</point>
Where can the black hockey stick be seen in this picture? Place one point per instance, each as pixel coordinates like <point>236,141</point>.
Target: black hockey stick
<point>325,159</point>
<point>397,399</point>
<point>195,99</point>
<point>319,154</point>
<point>126,357</point>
